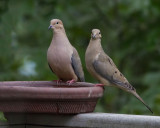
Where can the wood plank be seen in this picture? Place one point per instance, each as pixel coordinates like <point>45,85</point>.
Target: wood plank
<point>31,126</point>
<point>88,120</point>
<point>92,120</point>
<point>16,126</point>
<point>4,127</point>
<point>13,126</point>
<point>3,124</point>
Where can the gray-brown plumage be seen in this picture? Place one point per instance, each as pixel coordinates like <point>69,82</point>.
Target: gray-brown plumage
<point>63,58</point>
<point>101,66</point>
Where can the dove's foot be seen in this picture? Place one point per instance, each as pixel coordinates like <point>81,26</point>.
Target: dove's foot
<point>70,81</point>
<point>57,81</point>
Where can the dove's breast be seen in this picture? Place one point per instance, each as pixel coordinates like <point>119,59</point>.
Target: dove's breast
<point>90,56</point>
<point>59,59</point>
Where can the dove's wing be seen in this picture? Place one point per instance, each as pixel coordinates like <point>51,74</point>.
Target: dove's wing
<point>106,68</point>
<point>77,66</point>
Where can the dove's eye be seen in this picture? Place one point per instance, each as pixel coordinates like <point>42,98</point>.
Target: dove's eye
<point>57,23</point>
<point>99,33</point>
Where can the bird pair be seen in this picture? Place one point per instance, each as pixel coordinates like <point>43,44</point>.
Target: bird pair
<point>64,61</point>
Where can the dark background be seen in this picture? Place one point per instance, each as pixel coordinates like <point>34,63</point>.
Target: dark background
<point>130,36</point>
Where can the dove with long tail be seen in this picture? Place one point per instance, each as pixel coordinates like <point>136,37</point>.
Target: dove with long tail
<point>102,67</point>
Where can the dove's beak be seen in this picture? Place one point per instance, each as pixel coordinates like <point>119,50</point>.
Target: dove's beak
<point>94,36</point>
<point>50,27</point>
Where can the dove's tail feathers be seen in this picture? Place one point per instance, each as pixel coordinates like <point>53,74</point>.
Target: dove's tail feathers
<point>139,98</point>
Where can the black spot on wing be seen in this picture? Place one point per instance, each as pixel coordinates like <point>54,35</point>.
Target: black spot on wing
<point>109,61</point>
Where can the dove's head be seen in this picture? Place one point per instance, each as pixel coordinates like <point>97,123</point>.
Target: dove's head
<point>56,24</point>
<point>96,34</point>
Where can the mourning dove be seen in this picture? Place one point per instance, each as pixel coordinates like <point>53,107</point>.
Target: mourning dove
<point>63,58</point>
<point>101,66</point>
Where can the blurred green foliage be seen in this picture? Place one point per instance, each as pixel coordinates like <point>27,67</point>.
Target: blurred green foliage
<point>2,117</point>
<point>130,36</point>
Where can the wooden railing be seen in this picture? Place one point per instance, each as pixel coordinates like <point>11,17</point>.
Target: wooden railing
<point>87,120</point>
